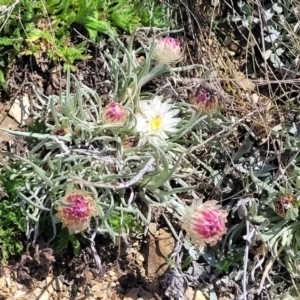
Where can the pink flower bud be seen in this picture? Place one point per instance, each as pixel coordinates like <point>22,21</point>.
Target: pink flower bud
<point>168,50</point>
<point>75,211</point>
<point>205,99</point>
<point>205,223</point>
<point>283,203</point>
<point>60,131</point>
<point>114,113</point>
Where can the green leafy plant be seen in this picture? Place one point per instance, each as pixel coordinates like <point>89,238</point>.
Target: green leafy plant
<point>85,149</point>
<point>12,227</point>
<point>47,34</point>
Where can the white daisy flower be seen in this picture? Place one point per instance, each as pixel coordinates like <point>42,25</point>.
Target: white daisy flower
<point>155,119</point>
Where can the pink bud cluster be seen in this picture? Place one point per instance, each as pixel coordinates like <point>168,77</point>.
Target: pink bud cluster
<point>75,211</point>
<point>205,223</point>
<point>115,113</point>
<point>168,50</point>
<point>283,203</point>
<point>205,100</point>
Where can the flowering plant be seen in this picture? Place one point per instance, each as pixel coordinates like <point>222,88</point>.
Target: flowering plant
<point>100,152</point>
<point>204,223</point>
<point>75,211</point>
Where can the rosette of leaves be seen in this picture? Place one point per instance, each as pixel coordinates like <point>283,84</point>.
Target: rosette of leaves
<point>79,150</point>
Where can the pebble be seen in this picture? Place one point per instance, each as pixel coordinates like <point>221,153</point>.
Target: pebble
<point>55,295</point>
<point>141,258</point>
<point>8,281</point>
<point>5,290</point>
<point>145,295</point>
<point>20,295</point>
<point>99,286</point>
<point>2,282</point>
<point>114,278</point>
<point>37,292</point>
<point>192,294</point>
<point>111,273</point>
<point>57,284</point>
<point>50,289</point>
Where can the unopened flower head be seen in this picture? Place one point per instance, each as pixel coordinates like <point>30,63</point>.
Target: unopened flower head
<point>283,203</point>
<point>75,211</point>
<point>155,119</point>
<point>205,223</point>
<point>205,99</point>
<point>60,131</point>
<point>168,50</point>
<point>115,113</point>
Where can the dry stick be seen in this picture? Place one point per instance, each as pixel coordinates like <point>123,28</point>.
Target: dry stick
<point>257,81</point>
<point>117,186</point>
<point>246,257</point>
<point>267,269</point>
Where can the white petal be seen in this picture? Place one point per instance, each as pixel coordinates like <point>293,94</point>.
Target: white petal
<point>141,123</point>
<point>172,113</point>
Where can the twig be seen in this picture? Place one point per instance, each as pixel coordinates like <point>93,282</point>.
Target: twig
<point>118,185</point>
<point>246,256</point>
<point>268,267</point>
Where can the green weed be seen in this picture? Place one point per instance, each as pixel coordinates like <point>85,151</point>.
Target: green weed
<point>12,225</point>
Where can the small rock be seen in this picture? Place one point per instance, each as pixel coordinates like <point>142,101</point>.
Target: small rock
<point>8,281</point>
<point>42,284</point>
<point>159,249</point>
<point>49,280</point>
<point>5,290</point>
<point>132,294</point>
<point>136,244</point>
<point>20,286</point>
<point>41,294</point>
<point>2,282</point>
<point>37,292</point>
<point>100,286</point>
<point>55,295</point>
<point>113,284</point>
<point>20,109</point>
<point>192,294</point>
<point>144,295</point>
<point>50,289</point>
<point>114,278</point>
<point>141,258</point>
<point>109,293</point>
<point>57,284</point>
<point>20,295</point>
<point>89,276</point>
<point>13,289</point>
<point>111,273</point>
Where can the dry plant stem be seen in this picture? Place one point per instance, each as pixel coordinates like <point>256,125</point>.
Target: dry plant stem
<point>259,264</point>
<point>267,269</point>
<point>257,81</point>
<point>246,256</point>
<point>117,186</point>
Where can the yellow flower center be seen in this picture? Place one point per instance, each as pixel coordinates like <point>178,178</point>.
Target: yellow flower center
<point>156,123</point>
